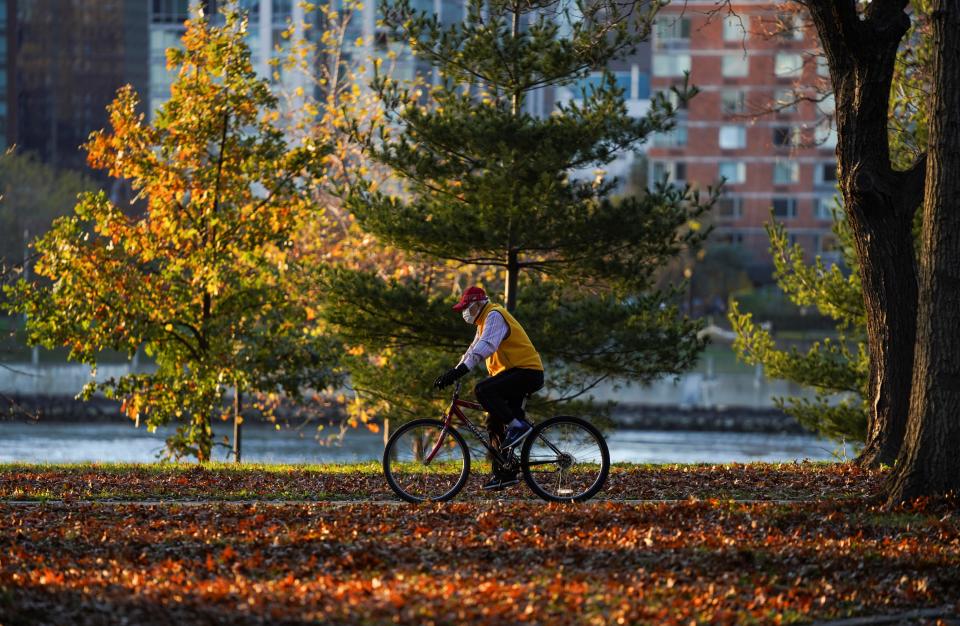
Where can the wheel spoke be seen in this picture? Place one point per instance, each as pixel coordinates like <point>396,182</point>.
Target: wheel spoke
<point>410,473</point>
<point>568,460</point>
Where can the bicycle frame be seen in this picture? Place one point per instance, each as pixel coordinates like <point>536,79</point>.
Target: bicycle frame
<point>455,411</point>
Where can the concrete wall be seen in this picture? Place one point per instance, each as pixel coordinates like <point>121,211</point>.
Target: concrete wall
<point>58,380</point>
<point>695,390</point>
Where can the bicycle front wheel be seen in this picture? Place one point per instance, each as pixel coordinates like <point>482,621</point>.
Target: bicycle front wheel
<point>423,461</point>
<point>565,459</point>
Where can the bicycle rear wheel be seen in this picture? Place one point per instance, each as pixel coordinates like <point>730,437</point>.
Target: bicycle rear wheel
<point>423,462</point>
<point>565,459</point>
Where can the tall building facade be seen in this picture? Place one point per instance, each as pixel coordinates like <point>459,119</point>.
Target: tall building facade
<point>632,75</point>
<point>754,122</point>
<point>8,100</point>
<point>66,59</point>
<point>267,20</point>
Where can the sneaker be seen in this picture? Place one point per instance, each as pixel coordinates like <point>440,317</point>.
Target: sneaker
<point>516,434</point>
<point>501,481</point>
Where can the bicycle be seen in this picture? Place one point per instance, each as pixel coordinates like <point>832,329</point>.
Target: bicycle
<point>564,458</point>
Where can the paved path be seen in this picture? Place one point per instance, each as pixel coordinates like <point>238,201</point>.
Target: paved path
<point>909,617</point>
<point>391,502</point>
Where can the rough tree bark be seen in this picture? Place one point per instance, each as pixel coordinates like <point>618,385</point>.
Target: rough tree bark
<point>879,202</point>
<point>929,463</point>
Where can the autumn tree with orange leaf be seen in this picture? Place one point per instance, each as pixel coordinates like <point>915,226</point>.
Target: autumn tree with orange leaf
<point>205,279</point>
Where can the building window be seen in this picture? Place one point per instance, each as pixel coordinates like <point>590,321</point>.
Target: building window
<point>825,206</point>
<point>826,174</point>
<point>828,106</point>
<point>282,9</point>
<point>251,8</point>
<point>170,11</point>
<point>733,101</point>
<point>734,27</point>
<point>785,101</point>
<point>162,38</point>
<point>732,238</point>
<point>823,67</point>
<point>451,11</point>
<point>672,29</point>
<point>790,27</point>
<point>785,208</point>
<point>734,172</point>
<point>733,137</point>
<point>787,65</point>
<point>670,64</point>
<point>734,65</point>
<point>675,101</point>
<point>729,208</point>
<point>676,138</point>
<point>786,172</point>
<point>596,80</point>
<point>787,136</point>
<point>641,86</point>
<point>825,135</point>
<point>827,243</point>
<point>673,171</point>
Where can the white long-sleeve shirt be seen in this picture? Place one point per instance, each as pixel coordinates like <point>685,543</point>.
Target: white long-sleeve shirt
<point>494,331</point>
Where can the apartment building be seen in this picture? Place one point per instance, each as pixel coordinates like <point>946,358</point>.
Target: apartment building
<point>760,121</point>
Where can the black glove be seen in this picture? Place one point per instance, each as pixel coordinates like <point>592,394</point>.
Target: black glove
<point>450,376</point>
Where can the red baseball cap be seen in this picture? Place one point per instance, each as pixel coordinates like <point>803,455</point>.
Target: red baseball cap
<point>469,296</point>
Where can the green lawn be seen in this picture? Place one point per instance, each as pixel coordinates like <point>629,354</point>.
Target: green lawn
<point>364,481</point>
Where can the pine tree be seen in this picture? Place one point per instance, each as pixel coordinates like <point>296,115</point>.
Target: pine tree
<point>202,280</point>
<point>837,369</point>
<point>492,190</point>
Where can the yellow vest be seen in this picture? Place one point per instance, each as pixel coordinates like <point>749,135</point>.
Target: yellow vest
<point>516,349</point>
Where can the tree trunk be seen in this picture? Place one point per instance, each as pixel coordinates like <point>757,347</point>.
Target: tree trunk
<point>202,435</point>
<point>419,451</point>
<point>513,272</point>
<point>879,202</point>
<point>887,273</point>
<point>513,267</point>
<point>929,463</point>
<point>237,425</point>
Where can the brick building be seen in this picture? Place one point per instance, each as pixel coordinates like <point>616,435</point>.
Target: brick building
<point>750,123</point>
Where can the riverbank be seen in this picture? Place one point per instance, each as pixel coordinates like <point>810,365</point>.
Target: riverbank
<point>636,416</point>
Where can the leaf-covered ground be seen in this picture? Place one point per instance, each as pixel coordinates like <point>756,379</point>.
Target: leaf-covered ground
<point>793,481</point>
<point>706,561</point>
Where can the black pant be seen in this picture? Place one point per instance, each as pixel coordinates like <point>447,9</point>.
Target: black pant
<point>502,396</point>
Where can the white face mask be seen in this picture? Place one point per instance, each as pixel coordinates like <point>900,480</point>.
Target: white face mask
<point>469,317</point>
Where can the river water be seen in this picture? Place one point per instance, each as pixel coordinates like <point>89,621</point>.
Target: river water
<point>120,442</point>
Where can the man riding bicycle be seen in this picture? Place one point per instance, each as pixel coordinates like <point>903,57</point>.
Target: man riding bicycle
<point>515,371</point>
